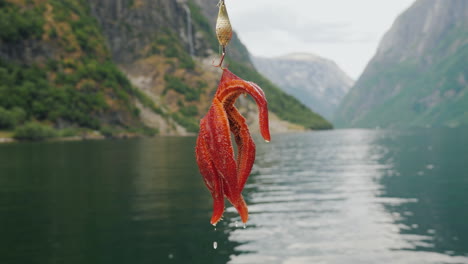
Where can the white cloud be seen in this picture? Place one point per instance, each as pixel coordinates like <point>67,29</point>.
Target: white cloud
<point>345,31</point>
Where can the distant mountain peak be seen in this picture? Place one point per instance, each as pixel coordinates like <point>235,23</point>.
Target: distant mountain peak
<point>300,56</point>
<point>315,81</point>
<point>417,77</point>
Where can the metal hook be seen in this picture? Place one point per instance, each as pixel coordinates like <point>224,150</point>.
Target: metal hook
<point>220,65</point>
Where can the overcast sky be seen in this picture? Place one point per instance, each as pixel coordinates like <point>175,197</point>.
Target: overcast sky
<point>346,31</point>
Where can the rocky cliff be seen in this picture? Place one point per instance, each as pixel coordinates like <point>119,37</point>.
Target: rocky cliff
<point>317,82</point>
<point>166,47</point>
<point>55,68</point>
<point>418,76</point>
<point>124,64</point>
<point>239,60</point>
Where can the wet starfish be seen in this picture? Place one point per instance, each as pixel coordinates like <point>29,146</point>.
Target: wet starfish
<point>224,174</point>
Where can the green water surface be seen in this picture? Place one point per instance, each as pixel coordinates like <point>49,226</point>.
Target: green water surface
<point>344,196</point>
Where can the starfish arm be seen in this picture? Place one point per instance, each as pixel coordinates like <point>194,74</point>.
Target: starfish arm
<point>231,86</point>
<point>242,209</point>
<point>210,175</point>
<point>225,175</point>
<point>218,138</point>
<point>245,144</point>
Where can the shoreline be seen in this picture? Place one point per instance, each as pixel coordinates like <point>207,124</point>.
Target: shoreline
<point>5,140</point>
<point>94,136</point>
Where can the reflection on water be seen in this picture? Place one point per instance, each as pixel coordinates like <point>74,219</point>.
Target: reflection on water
<point>355,197</point>
<point>135,201</point>
<point>351,196</point>
<point>431,166</point>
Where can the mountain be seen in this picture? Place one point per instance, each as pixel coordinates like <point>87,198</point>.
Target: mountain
<point>123,65</point>
<point>317,82</point>
<point>281,104</point>
<point>166,49</point>
<point>419,75</point>
<point>55,67</point>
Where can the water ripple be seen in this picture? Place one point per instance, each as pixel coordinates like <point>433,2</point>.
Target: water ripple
<point>317,198</point>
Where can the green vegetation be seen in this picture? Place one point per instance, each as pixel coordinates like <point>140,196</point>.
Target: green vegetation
<point>17,23</point>
<point>187,116</point>
<point>108,131</point>
<point>284,105</point>
<point>168,45</point>
<point>85,28</point>
<point>202,24</point>
<point>6,134</point>
<point>190,123</point>
<point>28,88</point>
<point>190,110</point>
<point>178,85</point>
<point>113,132</point>
<point>69,132</point>
<point>147,102</point>
<point>34,131</point>
<point>80,85</point>
<point>429,96</point>
<point>10,118</point>
<point>147,131</point>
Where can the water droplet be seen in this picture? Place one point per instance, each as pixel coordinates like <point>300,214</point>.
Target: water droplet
<point>245,225</point>
<point>170,256</point>
<point>215,245</point>
<point>236,223</point>
<point>215,228</point>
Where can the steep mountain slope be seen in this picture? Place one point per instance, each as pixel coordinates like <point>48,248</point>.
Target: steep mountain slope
<point>157,45</point>
<point>166,47</point>
<point>123,64</point>
<point>239,60</point>
<point>419,75</point>
<point>55,67</point>
<point>187,27</point>
<point>317,82</point>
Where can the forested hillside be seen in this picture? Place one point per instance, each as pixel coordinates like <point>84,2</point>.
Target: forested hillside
<point>419,76</point>
<point>125,65</point>
<point>55,68</point>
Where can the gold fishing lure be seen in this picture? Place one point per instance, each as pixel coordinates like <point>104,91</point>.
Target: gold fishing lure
<point>223,25</point>
<point>223,29</point>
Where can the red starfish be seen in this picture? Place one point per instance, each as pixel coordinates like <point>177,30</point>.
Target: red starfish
<point>225,175</point>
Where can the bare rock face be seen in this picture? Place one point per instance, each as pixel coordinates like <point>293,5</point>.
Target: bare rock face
<point>417,77</point>
<point>27,51</point>
<point>131,25</point>
<point>236,50</point>
<point>421,29</point>
<point>317,82</point>
<point>98,51</point>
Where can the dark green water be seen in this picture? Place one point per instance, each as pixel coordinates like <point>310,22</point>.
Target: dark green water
<point>345,196</point>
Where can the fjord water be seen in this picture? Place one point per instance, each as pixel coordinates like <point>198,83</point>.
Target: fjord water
<point>344,196</point>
